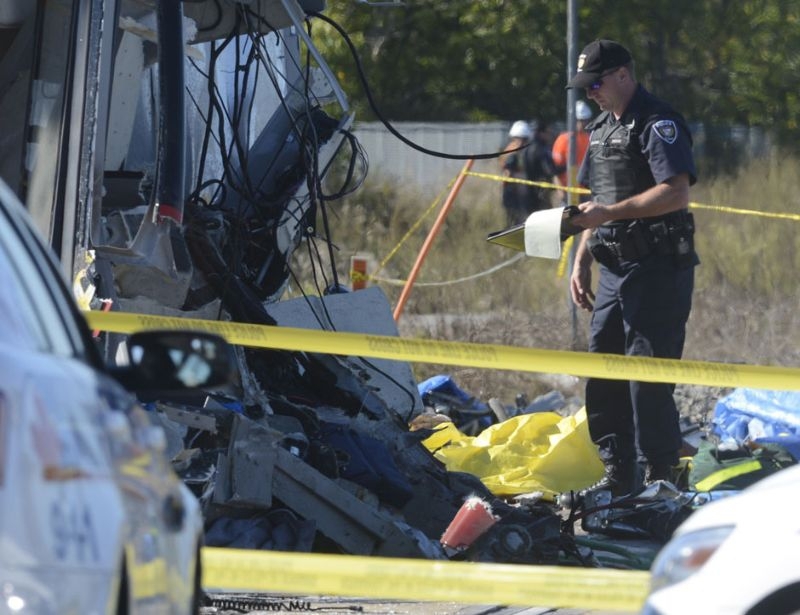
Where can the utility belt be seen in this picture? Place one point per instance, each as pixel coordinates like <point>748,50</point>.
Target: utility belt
<point>672,234</point>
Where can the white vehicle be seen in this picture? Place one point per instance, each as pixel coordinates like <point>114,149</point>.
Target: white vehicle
<point>737,555</point>
<point>92,518</point>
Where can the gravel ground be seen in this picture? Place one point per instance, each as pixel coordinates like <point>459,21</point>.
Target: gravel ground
<point>696,404</point>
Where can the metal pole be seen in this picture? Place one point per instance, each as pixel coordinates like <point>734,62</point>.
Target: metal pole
<point>571,96</point>
<point>572,60</point>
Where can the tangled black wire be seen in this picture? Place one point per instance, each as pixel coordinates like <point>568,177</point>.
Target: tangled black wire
<point>255,204</point>
<point>368,93</point>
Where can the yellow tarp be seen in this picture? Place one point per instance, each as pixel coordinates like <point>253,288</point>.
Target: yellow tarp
<point>531,452</point>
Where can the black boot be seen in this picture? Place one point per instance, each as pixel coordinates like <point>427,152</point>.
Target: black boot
<point>621,477</point>
<point>658,471</point>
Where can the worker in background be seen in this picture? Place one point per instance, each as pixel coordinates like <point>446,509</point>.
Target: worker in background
<point>534,162</point>
<point>583,113</point>
<point>639,166</point>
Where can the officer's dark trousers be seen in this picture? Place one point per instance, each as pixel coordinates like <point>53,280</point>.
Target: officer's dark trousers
<point>640,310</point>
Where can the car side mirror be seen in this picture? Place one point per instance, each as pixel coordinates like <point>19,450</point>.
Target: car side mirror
<point>174,361</point>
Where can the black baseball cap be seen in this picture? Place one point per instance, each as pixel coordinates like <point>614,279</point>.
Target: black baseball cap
<point>597,58</point>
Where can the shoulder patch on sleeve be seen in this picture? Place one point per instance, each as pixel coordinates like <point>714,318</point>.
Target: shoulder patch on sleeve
<point>666,130</point>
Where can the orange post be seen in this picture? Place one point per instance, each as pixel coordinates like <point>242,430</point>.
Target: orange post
<point>401,302</point>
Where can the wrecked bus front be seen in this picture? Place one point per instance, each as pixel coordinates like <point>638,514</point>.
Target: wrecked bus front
<point>118,115</point>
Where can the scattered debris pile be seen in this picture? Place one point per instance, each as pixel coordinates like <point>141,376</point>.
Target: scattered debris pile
<point>325,460</point>
<point>306,451</point>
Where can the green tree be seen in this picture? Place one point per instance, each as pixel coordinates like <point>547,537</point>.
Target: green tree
<point>453,60</point>
<point>720,62</point>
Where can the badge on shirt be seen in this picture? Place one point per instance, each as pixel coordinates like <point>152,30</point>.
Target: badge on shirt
<point>666,130</point>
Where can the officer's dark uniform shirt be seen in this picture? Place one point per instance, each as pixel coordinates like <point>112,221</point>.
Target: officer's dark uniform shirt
<point>649,144</point>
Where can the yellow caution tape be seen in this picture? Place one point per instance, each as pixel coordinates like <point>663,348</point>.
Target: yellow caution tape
<point>720,476</point>
<point>579,190</point>
<point>527,182</point>
<point>424,580</point>
<point>566,248</point>
<point>83,290</point>
<point>572,191</point>
<point>488,356</point>
<point>747,212</point>
<point>358,276</point>
<point>415,226</point>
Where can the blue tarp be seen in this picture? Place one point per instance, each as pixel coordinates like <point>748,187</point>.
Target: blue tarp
<point>464,406</point>
<point>758,415</point>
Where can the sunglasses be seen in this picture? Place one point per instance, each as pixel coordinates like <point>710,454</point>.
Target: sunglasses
<point>599,83</point>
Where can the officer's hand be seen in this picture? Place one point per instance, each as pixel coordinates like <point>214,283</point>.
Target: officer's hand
<point>580,287</point>
<point>591,215</point>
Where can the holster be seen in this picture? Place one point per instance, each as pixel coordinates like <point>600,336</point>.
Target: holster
<point>601,251</point>
<point>671,235</point>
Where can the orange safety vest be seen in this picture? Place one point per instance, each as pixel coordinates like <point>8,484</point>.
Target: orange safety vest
<point>560,151</point>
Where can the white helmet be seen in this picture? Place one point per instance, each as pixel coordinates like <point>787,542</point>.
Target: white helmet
<point>521,129</point>
<point>582,110</point>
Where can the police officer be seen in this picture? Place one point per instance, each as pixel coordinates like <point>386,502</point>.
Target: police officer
<point>639,167</point>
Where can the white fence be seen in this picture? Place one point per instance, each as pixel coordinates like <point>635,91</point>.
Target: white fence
<point>391,158</point>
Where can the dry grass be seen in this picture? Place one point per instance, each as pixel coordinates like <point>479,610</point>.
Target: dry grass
<point>745,307</point>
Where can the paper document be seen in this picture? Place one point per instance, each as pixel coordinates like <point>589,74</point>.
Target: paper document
<point>541,234</point>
